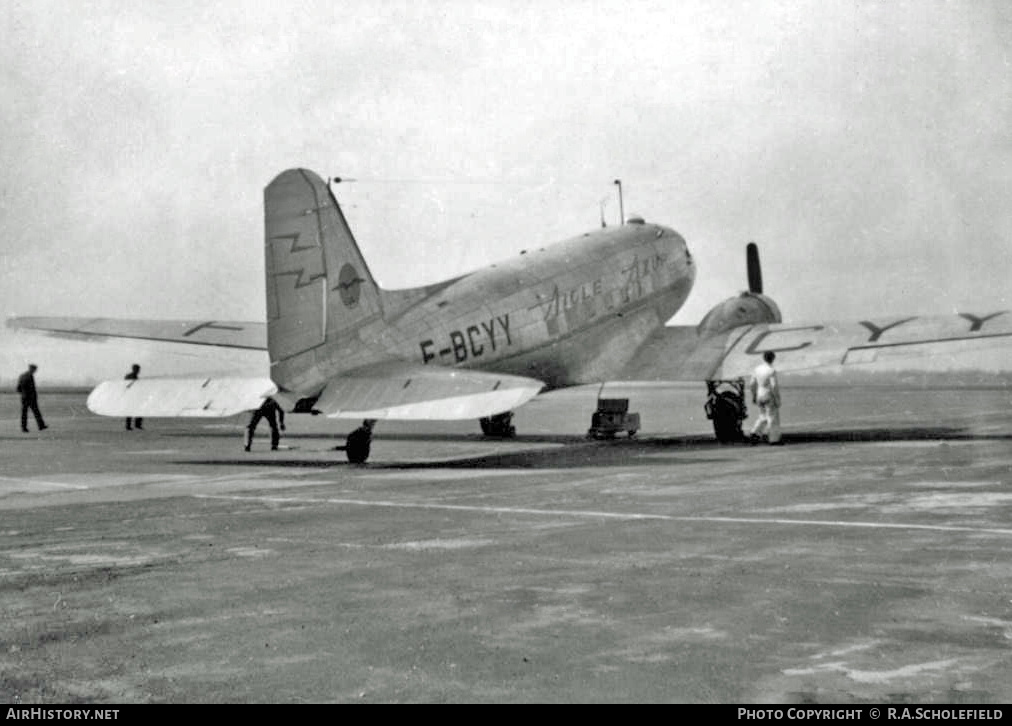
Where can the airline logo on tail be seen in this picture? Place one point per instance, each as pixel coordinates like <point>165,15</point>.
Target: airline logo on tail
<point>313,261</point>
<point>349,285</point>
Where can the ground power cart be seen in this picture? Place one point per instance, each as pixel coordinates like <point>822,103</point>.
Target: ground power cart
<point>612,417</point>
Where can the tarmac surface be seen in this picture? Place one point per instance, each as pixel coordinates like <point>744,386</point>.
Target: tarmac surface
<point>866,560</point>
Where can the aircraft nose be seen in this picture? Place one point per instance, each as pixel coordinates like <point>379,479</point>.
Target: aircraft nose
<point>677,248</point>
<point>681,256</point>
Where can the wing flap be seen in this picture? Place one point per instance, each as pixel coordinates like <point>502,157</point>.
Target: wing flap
<point>403,391</point>
<point>182,397</point>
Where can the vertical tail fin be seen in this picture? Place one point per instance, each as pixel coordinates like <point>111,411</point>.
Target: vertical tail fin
<point>318,284</point>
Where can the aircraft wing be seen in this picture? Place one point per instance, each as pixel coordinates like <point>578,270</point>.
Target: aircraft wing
<point>245,335</point>
<point>676,353</point>
<point>408,391</point>
<point>961,344</point>
<point>203,397</point>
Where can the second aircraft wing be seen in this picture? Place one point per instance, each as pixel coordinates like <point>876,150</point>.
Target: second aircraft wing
<point>225,334</point>
<point>964,343</point>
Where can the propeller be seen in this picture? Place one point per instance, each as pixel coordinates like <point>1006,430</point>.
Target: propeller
<point>755,273</point>
<point>747,308</point>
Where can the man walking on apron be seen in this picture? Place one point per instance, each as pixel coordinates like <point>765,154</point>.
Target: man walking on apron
<point>766,395</point>
<point>29,398</point>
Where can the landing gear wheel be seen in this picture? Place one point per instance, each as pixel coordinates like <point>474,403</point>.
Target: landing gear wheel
<point>725,406</point>
<point>726,424</point>
<point>359,442</point>
<point>499,426</point>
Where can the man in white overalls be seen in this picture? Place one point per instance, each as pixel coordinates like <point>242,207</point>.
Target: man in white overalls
<point>766,395</point>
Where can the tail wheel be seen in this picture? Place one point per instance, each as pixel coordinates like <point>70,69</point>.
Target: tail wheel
<point>499,425</point>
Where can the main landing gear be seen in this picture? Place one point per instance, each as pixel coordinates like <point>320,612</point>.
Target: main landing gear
<point>725,406</point>
<point>499,426</point>
<point>359,441</point>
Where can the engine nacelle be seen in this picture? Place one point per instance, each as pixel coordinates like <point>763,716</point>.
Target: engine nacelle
<point>749,308</point>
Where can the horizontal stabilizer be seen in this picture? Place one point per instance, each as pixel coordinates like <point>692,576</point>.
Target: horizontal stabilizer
<point>184,397</point>
<point>405,391</point>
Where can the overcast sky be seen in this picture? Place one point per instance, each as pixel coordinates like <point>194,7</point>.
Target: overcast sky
<point>865,145</point>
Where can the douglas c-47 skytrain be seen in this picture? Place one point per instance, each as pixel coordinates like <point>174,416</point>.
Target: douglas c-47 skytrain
<point>589,309</point>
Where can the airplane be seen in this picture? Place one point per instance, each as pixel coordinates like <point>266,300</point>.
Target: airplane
<point>589,309</point>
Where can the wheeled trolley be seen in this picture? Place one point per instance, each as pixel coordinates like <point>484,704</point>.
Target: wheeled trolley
<point>612,417</point>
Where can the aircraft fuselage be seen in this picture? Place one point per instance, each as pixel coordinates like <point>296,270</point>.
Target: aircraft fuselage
<point>571,313</point>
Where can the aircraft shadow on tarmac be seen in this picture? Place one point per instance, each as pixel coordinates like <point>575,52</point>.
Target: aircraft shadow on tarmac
<point>579,452</point>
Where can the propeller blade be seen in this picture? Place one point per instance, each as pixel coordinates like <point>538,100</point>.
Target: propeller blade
<point>755,273</point>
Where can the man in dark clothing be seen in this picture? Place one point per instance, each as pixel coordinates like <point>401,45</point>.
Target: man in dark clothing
<point>268,409</point>
<point>29,398</point>
<point>133,375</point>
